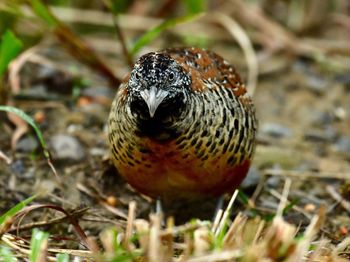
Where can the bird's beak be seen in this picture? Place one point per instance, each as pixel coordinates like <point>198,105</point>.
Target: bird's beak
<point>153,98</point>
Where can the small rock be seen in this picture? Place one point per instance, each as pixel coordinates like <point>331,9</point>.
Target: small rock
<point>317,84</point>
<point>326,135</point>
<point>252,179</point>
<point>98,91</point>
<point>343,79</point>
<point>17,167</point>
<point>322,118</point>
<point>340,113</point>
<point>27,144</point>
<point>95,151</point>
<point>94,114</point>
<point>65,147</point>
<point>343,145</point>
<point>276,130</point>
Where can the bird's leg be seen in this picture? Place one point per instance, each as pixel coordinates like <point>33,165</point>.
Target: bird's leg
<point>159,209</point>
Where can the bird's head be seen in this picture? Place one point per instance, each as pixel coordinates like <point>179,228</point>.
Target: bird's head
<point>157,87</point>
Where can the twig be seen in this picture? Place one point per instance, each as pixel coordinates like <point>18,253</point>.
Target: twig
<point>333,193</point>
<point>244,42</point>
<point>5,158</point>
<point>121,37</point>
<point>13,243</point>
<point>54,221</point>
<point>129,225</point>
<point>279,196</point>
<point>284,198</point>
<point>306,174</point>
<point>154,252</point>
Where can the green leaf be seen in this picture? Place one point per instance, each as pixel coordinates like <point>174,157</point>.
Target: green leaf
<point>37,244</point>
<point>9,49</point>
<point>195,6</point>
<point>243,197</point>
<point>156,31</point>
<point>63,257</point>
<point>14,210</point>
<point>31,122</point>
<point>6,255</point>
<point>43,12</point>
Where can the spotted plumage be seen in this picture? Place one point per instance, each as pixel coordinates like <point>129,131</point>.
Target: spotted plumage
<point>182,125</point>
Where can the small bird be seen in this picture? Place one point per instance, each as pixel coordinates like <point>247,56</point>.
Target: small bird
<point>182,125</point>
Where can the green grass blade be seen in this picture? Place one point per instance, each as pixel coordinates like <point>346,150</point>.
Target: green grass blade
<point>119,6</point>
<point>37,244</point>
<point>14,210</point>
<point>63,257</point>
<point>44,13</point>
<point>195,6</point>
<point>156,31</point>
<point>6,255</point>
<point>9,49</point>
<point>31,122</point>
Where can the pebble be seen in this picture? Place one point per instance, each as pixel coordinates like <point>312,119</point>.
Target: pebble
<point>343,145</point>
<point>252,179</point>
<point>276,130</point>
<point>343,79</point>
<point>95,114</point>
<point>65,147</point>
<point>319,118</point>
<point>98,91</point>
<point>17,166</point>
<point>326,135</point>
<point>317,84</point>
<point>27,144</point>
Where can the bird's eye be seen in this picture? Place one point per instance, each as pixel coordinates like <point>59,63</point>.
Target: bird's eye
<point>171,76</point>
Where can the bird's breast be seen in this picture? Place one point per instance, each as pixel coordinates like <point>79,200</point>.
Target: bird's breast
<point>167,169</point>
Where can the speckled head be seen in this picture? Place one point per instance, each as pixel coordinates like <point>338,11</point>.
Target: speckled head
<point>158,86</point>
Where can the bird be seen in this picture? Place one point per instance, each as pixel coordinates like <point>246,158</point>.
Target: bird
<point>182,125</point>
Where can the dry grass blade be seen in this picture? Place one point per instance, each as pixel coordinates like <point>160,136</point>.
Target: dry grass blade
<point>129,225</point>
<point>258,232</point>
<point>228,255</point>
<point>299,209</point>
<point>21,128</point>
<point>154,252</point>
<point>201,241</point>
<point>95,17</point>
<point>226,213</point>
<point>341,247</point>
<point>234,230</point>
<point>5,158</point>
<point>284,198</point>
<point>142,228</point>
<point>94,193</point>
<point>73,221</point>
<point>334,194</point>
<point>306,174</point>
<point>217,220</point>
<point>244,42</point>
<point>18,244</point>
<point>54,221</point>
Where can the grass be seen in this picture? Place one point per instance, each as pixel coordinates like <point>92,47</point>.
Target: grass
<point>241,239</point>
